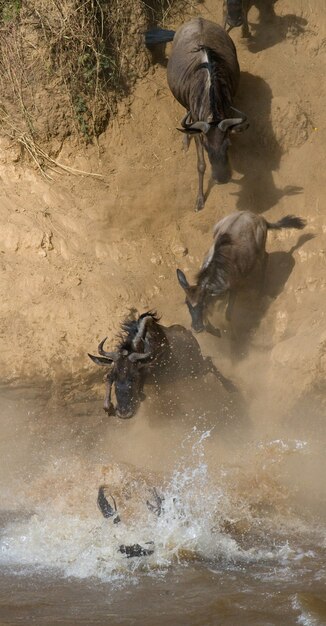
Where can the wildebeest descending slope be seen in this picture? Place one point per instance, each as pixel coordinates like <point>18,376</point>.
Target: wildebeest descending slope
<point>203,75</point>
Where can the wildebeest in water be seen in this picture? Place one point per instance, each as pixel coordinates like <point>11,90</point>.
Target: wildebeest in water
<point>108,511</point>
<point>203,75</point>
<point>146,347</point>
<point>239,244</point>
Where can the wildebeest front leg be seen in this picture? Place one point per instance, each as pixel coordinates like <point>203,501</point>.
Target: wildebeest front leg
<point>229,308</point>
<point>108,406</point>
<point>201,167</point>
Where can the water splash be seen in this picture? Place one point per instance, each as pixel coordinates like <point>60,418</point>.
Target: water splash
<point>210,517</point>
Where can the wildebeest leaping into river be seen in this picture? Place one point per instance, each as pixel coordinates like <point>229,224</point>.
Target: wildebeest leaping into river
<point>146,347</point>
<point>239,244</point>
<point>203,75</point>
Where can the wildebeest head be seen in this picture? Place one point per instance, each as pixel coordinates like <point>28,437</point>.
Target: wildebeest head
<point>126,375</point>
<point>234,13</point>
<point>212,283</point>
<point>143,340</point>
<point>215,139</point>
<point>195,297</point>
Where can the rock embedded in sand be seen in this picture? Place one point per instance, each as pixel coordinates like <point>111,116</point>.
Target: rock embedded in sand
<point>291,125</point>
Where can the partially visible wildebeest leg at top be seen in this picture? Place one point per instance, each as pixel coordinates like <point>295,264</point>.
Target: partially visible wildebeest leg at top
<point>245,32</point>
<point>201,167</point>
<point>225,16</point>
<point>229,308</point>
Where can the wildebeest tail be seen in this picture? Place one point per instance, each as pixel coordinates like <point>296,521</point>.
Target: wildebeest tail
<point>289,221</point>
<point>158,35</point>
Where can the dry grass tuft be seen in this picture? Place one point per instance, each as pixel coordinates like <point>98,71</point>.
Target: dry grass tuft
<point>64,64</point>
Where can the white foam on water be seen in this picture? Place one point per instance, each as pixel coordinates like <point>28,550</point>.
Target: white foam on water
<point>305,618</point>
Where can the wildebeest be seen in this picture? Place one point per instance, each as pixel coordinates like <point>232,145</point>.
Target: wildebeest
<point>134,549</point>
<point>146,347</point>
<point>239,244</point>
<point>235,13</point>
<point>203,75</point>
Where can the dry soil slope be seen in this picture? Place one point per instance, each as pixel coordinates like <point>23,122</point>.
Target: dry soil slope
<point>77,253</point>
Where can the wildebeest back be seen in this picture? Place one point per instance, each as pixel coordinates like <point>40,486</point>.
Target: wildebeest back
<point>188,68</point>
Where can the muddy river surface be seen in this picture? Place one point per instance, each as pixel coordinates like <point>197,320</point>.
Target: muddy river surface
<point>240,537</point>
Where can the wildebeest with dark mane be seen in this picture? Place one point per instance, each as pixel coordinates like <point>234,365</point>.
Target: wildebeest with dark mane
<point>144,347</point>
<point>235,13</point>
<point>203,75</point>
<point>239,244</point>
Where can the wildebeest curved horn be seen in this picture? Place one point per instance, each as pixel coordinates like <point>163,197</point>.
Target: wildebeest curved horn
<point>195,127</point>
<point>185,120</point>
<point>100,360</point>
<point>139,356</point>
<point>110,355</point>
<point>140,335</point>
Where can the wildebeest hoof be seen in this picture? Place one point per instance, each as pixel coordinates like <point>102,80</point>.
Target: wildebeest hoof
<point>135,550</point>
<point>109,409</point>
<point>200,202</point>
<point>105,507</point>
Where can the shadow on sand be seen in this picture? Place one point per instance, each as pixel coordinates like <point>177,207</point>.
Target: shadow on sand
<point>252,305</point>
<point>256,153</point>
<point>271,29</point>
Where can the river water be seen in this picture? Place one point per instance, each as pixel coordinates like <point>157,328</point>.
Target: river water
<point>240,537</point>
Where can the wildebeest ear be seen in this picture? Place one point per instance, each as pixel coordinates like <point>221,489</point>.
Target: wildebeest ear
<point>240,128</point>
<point>100,360</point>
<point>182,279</point>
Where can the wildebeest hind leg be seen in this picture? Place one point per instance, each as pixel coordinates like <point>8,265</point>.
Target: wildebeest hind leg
<point>201,167</point>
<point>227,384</point>
<point>264,262</point>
